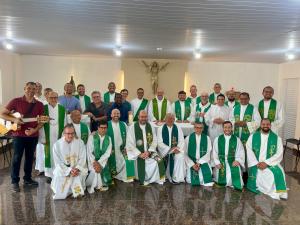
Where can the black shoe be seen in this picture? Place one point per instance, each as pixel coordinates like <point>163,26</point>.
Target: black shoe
<point>31,183</point>
<point>15,187</point>
<point>49,180</point>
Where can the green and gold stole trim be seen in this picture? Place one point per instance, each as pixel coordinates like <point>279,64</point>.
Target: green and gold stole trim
<point>84,131</point>
<point>141,107</point>
<point>106,97</point>
<point>236,103</point>
<point>174,142</point>
<point>247,118</point>
<point>87,100</point>
<point>271,150</point>
<point>187,110</point>
<point>192,148</point>
<point>189,99</point>
<point>112,159</point>
<point>61,124</point>
<point>271,112</point>
<point>99,150</point>
<point>235,171</point>
<point>202,119</point>
<point>163,109</point>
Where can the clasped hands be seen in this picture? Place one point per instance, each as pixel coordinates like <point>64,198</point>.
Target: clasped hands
<point>74,172</point>
<point>262,165</point>
<point>97,167</point>
<point>144,155</point>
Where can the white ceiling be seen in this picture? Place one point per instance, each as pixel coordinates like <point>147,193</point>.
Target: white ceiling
<point>226,30</point>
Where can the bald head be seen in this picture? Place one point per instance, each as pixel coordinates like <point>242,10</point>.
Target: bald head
<point>204,97</point>
<point>52,98</point>
<point>115,115</point>
<point>143,117</point>
<point>75,116</point>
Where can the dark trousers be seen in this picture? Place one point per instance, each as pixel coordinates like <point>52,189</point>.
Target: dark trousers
<point>20,144</point>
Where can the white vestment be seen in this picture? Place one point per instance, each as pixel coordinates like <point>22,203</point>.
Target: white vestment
<point>67,156</point>
<point>120,161</point>
<point>135,105</point>
<point>265,179</point>
<point>164,151</point>
<point>151,166</point>
<point>94,179</point>
<point>159,104</point>
<point>82,103</point>
<point>239,156</point>
<point>202,109</point>
<point>78,130</point>
<point>182,106</point>
<point>215,111</point>
<point>253,125</point>
<point>201,160</point>
<point>54,129</point>
<point>277,124</point>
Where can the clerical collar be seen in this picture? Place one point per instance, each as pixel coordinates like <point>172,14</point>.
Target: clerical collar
<point>142,125</point>
<point>101,136</point>
<point>53,106</point>
<point>227,135</point>
<point>161,99</point>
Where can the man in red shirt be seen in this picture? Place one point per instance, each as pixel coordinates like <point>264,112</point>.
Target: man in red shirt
<point>26,137</point>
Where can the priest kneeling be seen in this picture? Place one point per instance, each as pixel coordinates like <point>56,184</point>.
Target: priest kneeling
<point>265,152</point>
<point>197,157</point>
<point>99,148</point>
<point>228,158</point>
<point>171,148</point>
<point>69,155</point>
<point>141,146</point>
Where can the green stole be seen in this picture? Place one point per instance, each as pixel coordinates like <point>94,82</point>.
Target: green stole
<point>199,109</point>
<point>212,98</point>
<point>141,107</point>
<point>163,109</point>
<point>140,146</point>
<point>112,159</point>
<point>98,152</point>
<point>87,100</point>
<point>206,172</point>
<point>106,97</point>
<point>189,100</point>
<point>235,171</point>
<point>174,142</point>
<point>271,112</point>
<point>61,124</point>
<point>84,131</point>
<point>272,149</point>
<point>247,118</point>
<point>187,110</point>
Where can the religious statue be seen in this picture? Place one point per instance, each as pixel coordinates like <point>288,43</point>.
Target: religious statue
<point>154,68</point>
<point>73,84</point>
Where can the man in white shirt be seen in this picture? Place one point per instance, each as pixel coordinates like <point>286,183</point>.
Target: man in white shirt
<point>82,97</point>
<point>138,104</point>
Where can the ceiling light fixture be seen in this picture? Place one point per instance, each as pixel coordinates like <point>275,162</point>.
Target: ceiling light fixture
<point>9,34</point>
<point>197,54</point>
<point>8,44</point>
<point>290,56</point>
<point>118,51</point>
<point>159,49</point>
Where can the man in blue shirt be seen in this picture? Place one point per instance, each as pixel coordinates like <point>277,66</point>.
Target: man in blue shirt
<point>123,108</point>
<point>68,100</point>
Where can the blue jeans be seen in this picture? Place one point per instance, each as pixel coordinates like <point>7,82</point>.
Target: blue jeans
<point>20,144</point>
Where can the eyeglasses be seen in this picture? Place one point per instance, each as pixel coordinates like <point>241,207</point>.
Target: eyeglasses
<point>69,133</point>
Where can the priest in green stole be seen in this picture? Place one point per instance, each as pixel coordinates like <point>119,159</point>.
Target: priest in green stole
<point>138,104</point>
<point>84,100</point>
<point>197,157</point>
<point>109,96</point>
<point>271,109</point>
<point>213,96</point>
<point>228,158</point>
<point>121,168</point>
<point>52,131</point>
<point>231,101</point>
<point>99,148</point>
<point>141,146</point>
<point>193,99</point>
<point>201,109</point>
<point>82,130</point>
<point>182,109</point>
<point>159,107</point>
<point>264,154</point>
<point>171,147</point>
<point>70,171</point>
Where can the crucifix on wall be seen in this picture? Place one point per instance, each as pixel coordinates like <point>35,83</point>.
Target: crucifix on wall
<point>154,68</point>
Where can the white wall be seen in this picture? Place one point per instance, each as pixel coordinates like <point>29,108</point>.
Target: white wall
<point>249,77</point>
<point>54,71</point>
<point>286,71</point>
<point>9,68</point>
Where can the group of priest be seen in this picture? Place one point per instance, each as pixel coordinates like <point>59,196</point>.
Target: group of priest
<point>230,137</point>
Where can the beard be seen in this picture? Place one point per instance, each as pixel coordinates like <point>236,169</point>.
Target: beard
<point>231,99</point>
<point>265,129</point>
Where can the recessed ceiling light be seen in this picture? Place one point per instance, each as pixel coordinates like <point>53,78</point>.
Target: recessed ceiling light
<point>159,49</point>
<point>8,44</point>
<point>290,56</point>
<point>9,34</point>
<point>197,54</point>
<point>118,51</point>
